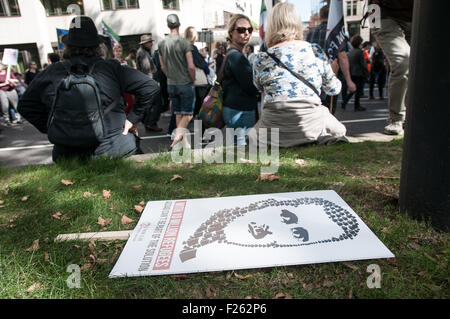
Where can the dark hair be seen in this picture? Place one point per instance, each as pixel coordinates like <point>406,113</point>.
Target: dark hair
<point>324,12</point>
<point>53,57</point>
<point>70,52</point>
<point>133,51</point>
<point>366,44</point>
<point>252,48</point>
<point>356,41</point>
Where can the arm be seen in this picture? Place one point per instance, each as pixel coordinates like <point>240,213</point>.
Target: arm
<point>163,65</point>
<point>191,66</point>
<point>330,83</point>
<point>345,67</point>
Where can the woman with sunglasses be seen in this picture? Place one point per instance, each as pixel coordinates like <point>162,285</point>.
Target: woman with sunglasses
<point>239,92</point>
<point>291,101</point>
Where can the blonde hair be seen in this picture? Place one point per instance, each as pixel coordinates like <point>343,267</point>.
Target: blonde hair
<point>283,24</point>
<point>190,34</point>
<point>232,24</point>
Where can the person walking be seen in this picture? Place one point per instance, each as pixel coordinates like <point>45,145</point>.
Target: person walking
<point>378,72</point>
<point>31,73</point>
<point>358,70</point>
<point>83,54</point>
<point>177,63</point>
<point>394,37</point>
<point>239,92</point>
<point>292,72</point>
<point>145,64</point>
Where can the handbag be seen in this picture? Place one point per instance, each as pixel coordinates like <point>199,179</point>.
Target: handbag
<point>200,77</point>
<point>211,110</point>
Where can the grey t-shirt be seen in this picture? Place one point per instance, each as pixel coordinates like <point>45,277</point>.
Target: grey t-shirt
<point>173,50</point>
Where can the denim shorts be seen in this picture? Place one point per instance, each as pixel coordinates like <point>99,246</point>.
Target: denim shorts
<point>183,98</point>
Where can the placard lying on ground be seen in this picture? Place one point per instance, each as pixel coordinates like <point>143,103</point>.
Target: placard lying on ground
<point>229,233</point>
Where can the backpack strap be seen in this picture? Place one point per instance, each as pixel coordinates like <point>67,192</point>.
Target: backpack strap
<point>222,67</point>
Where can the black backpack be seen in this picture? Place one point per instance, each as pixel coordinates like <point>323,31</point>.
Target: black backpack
<point>77,116</point>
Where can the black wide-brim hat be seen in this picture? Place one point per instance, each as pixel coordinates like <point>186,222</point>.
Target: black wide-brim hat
<point>82,33</point>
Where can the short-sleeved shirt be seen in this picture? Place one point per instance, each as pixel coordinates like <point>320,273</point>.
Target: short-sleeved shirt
<point>173,50</point>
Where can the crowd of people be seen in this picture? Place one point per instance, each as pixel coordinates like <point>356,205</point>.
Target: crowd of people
<point>295,78</point>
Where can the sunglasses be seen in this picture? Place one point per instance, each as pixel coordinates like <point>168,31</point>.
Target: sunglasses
<point>242,30</point>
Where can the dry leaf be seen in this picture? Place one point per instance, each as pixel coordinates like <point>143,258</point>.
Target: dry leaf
<point>300,162</point>
<point>210,292</point>
<point>126,220</point>
<point>282,295</point>
<point>76,246</point>
<point>34,246</point>
<point>57,215</point>
<point>308,287</point>
<point>242,277</point>
<point>102,260</point>
<point>351,266</point>
<point>66,182</point>
<point>243,160</point>
<point>267,177</point>
<point>228,277</point>
<point>142,204</point>
<point>87,195</point>
<point>2,202</point>
<point>34,287</point>
<point>103,222</point>
<point>290,275</point>
<point>91,246</point>
<point>414,246</point>
<point>138,187</point>
<point>138,208</point>
<point>328,283</point>
<point>350,294</point>
<point>106,194</point>
<point>46,256</point>
<point>175,177</point>
<point>24,199</point>
<point>85,266</point>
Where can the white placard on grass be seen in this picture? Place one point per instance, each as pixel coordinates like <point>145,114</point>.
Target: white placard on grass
<point>243,232</point>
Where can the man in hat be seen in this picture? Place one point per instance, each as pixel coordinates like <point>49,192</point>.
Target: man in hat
<point>175,56</point>
<point>145,64</point>
<point>83,50</point>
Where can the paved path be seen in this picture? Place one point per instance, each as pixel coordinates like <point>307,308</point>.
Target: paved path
<point>22,145</point>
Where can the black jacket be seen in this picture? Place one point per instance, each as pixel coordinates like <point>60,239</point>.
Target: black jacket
<point>112,79</point>
<point>397,9</point>
<point>358,65</point>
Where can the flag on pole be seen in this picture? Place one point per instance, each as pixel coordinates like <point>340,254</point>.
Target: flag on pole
<point>336,35</point>
<point>115,39</point>
<point>61,33</point>
<point>262,21</point>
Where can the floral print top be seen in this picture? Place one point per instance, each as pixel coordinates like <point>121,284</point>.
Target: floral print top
<point>309,60</point>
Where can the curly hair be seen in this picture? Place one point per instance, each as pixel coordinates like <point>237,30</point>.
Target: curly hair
<point>70,52</point>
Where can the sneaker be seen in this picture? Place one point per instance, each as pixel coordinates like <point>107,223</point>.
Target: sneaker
<point>394,128</point>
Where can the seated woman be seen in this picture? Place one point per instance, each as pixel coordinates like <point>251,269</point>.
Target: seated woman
<point>291,105</point>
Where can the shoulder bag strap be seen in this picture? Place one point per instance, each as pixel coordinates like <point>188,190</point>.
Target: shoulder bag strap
<point>298,76</point>
<point>222,67</point>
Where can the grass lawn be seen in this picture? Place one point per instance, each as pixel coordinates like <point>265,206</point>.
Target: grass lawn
<point>36,205</point>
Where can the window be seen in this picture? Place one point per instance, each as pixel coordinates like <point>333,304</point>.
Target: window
<point>352,8</point>
<point>9,8</point>
<point>59,7</point>
<point>171,4</point>
<point>119,4</point>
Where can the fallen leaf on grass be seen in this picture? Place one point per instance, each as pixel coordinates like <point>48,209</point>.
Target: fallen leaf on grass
<point>66,182</point>
<point>267,177</point>
<point>178,276</point>
<point>125,220</point>
<point>384,230</point>
<point>24,199</point>
<point>175,177</point>
<point>243,160</point>
<point>300,162</point>
<point>138,208</point>
<point>308,287</point>
<point>57,215</point>
<point>87,195</point>
<point>351,266</point>
<point>242,277</point>
<point>142,204</point>
<point>414,246</point>
<point>328,284</point>
<point>91,246</point>
<point>46,256</point>
<point>76,246</point>
<point>138,187</point>
<point>34,246</point>
<point>290,275</point>
<point>282,295</point>
<point>106,194</point>
<point>350,294</point>
<point>2,202</point>
<point>210,292</point>
<point>103,222</point>
<point>86,266</point>
<point>33,287</point>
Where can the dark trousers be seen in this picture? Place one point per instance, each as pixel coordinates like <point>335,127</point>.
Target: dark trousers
<point>379,78</point>
<point>359,81</point>
<point>152,114</point>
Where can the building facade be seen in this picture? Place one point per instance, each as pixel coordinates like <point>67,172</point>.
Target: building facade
<point>30,25</point>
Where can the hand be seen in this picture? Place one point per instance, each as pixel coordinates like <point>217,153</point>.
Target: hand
<point>351,86</point>
<point>129,127</point>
